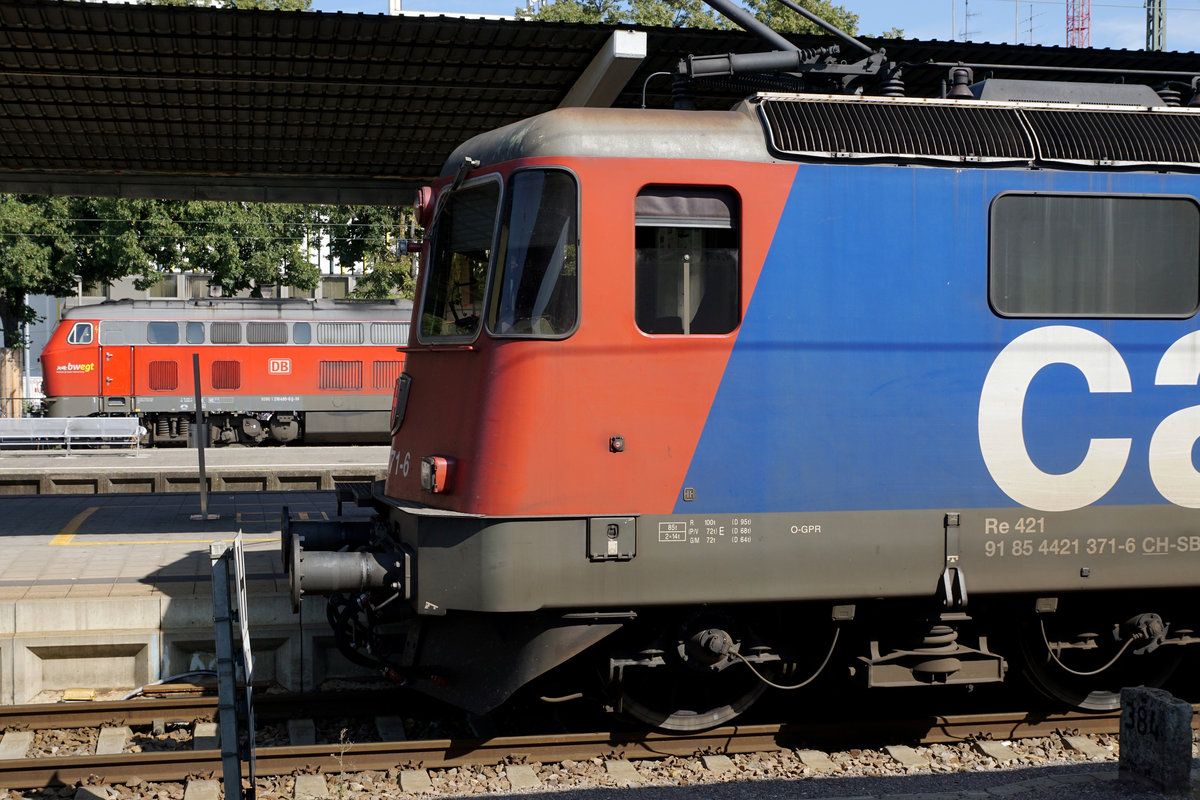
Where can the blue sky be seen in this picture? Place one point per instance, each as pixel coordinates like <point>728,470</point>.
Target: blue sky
<point>1115,23</point>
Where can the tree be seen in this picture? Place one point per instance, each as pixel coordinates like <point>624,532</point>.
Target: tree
<point>663,13</point>
<point>35,257</point>
<point>608,12</point>
<point>675,14</point>
<point>115,237</point>
<point>689,13</point>
<point>271,5</point>
<point>250,245</point>
<point>369,235</point>
<point>782,18</point>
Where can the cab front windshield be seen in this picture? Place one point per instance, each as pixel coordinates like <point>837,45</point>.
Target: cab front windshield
<point>535,288</point>
<point>461,252</point>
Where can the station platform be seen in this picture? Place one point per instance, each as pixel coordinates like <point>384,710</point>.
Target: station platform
<point>113,591</point>
<point>176,469</point>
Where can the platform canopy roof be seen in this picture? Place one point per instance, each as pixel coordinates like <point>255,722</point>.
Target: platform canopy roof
<point>189,102</point>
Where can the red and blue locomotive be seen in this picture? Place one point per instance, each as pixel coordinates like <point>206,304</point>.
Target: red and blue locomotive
<point>270,370</point>
<point>898,387</point>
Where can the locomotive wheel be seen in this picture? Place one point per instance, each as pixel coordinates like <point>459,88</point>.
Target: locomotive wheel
<point>1060,680</point>
<point>702,678</point>
<point>680,699</point>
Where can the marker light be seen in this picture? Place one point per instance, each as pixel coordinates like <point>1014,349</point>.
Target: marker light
<point>436,472</point>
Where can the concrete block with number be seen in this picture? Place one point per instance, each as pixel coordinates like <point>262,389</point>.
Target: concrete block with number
<point>1156,740</point>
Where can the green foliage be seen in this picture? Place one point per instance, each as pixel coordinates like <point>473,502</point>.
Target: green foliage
<point>36,255</point>
<point>782,18</point>
<point>690,14</point>
<point>370,235</point>
<point>48,245</point>
<point>663,13</point>
<point>269,5</point>
<point>608,12</point>
<point>249,245</point>
<point>894,33</point>
<point>675,14</point>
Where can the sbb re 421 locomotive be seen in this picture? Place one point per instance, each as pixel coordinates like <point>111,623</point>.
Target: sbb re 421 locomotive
<point>270,370</point>
<point>856,384</point>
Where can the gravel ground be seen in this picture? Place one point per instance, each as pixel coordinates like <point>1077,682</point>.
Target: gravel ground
<point>1040,769</point>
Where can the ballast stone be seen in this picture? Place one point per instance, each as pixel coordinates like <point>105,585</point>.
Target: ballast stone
<point>1156,740</point>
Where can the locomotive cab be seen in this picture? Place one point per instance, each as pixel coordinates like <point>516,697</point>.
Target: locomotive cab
<point>70,369</point>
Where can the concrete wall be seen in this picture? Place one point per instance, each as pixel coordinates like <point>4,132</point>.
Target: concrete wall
<point>122,643</point>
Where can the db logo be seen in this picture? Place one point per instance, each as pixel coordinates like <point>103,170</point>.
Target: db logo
<point>279,366</point>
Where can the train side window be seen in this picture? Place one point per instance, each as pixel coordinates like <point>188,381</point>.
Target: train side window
<point>536,288</point>
<point>1106,256</point>
<point>195,333</point>
<point>686,269</point>
<point>225,333</point>
<point>162,332</point>
<point>81,333</point>
<point>302,333</point>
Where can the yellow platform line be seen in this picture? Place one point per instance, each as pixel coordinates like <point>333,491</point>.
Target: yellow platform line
<point>65,536</point>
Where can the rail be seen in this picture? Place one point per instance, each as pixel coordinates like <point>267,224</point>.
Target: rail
<point>447,753</point>
<point>63,432</point>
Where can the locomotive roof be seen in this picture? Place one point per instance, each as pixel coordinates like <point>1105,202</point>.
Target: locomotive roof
<point>244,308</point>
<point>799,127</point>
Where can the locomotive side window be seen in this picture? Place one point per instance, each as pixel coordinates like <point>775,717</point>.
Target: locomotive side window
<point>301,333</point>
<point>686,269</point>
<point>461,249</point>
<point>81,333</point>
<point>1062,255</point>
<point>195,333</point>
<point>225,333</point>
<point>266,332</point>
<point>162,333</point>
<point>537,280</point>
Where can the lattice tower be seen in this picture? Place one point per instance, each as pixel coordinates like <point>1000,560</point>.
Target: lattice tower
<point>1079,23</point>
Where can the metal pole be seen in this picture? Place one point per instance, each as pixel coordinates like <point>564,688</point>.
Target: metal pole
<point>227,718</point>
<point>201,436</point>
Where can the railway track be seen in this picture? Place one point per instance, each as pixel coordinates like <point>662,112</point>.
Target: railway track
<point>450,753</point>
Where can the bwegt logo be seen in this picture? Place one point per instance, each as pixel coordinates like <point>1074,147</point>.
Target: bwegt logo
<point>75,368</point>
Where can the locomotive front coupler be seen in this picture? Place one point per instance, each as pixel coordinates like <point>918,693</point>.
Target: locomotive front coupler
<point>320,572</point>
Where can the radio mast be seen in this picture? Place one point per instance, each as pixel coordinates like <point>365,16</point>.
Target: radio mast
<point>1079,22</point>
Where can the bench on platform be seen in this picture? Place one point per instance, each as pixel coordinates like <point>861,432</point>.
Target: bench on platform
<point>65,432</point>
